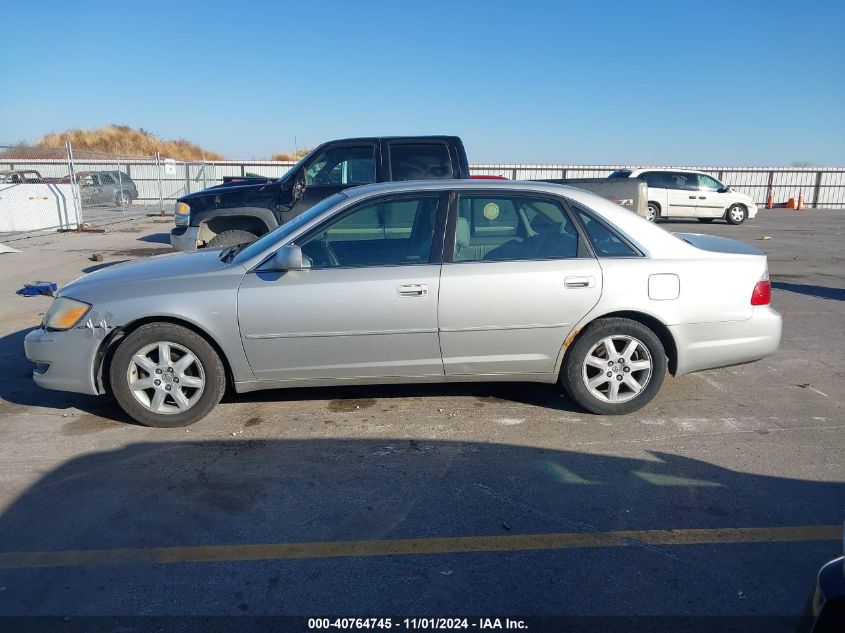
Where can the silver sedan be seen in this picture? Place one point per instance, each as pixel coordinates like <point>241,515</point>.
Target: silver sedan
<point>416,282</point>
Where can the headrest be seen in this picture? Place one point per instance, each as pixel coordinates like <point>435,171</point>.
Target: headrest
<point>542,224</point>
<point>462,232</point>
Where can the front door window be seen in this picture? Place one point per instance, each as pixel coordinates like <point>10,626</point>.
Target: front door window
<point>342,166</point>
<point>391,232</point>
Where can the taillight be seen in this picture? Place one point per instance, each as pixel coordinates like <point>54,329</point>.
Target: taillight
<point>762,294</point>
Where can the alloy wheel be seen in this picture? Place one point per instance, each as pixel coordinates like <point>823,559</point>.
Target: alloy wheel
<point>166,377</point>
<point>617,368</point>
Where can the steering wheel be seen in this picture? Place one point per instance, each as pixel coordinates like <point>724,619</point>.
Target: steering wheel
<point>328,253</point>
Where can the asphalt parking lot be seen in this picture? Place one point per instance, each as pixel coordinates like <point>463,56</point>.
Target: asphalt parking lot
<point>724,496</point>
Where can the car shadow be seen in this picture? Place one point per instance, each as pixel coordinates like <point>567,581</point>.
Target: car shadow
<point>821,292</point>
<point>96,267</point>
<point>179,526</point>
<point>532,394</point>
<point>17,386</point>
<point>156,238</point>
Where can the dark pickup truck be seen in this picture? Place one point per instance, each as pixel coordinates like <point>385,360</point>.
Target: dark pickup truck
<point>239,212</point>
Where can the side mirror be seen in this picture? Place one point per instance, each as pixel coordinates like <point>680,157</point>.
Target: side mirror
<point>286,258</point>
<point>724,190</point>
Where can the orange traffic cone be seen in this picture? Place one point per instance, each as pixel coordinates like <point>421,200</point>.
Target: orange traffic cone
<point>800,204</point>
<point>771,203</point>
<point>790,204</point>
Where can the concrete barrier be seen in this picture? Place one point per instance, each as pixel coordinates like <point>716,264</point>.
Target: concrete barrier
<point>36,206</point>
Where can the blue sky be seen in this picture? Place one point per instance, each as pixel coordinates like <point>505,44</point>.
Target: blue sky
<point>741,83</point>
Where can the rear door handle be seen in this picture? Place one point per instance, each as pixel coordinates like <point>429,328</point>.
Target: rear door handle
<point>580,282</point>
<point>692,197</point>
<point>702,197</point>
<point>413,290</point>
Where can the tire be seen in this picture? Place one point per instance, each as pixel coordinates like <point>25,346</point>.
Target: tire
<point>736,214</point>
<point>128,377</point>
<point>647,355</point>
<point>652,212</point>
<point>123,199</point>
<point>230,238</point>
<point>706,220</point>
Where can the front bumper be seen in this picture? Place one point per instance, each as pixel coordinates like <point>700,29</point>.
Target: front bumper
<point>710,345</point>
<point>65,361</point>
<point>752,211</point>
<point>184,238</point>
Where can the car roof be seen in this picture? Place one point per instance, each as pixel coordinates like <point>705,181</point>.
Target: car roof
<point>637,172</point>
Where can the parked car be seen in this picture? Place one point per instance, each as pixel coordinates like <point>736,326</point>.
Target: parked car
<point>24,176</point>
<point>106,187</point>
<point>415,282</point>
<point>231,214</point>
<point>828,606</point>
<point>681,193</point>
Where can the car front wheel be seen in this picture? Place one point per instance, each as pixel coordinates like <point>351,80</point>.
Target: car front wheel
<point>166,375</point>
<point>231,238</point>
<point>736,214</point>
<point>615,366</point>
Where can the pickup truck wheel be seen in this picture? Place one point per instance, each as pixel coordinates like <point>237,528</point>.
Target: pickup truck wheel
<point>230,238</point>
<point>615,366</point>
<point>165,375</point>
<point>705,220</point>
<point>736,214</point>
<point>652,212</point>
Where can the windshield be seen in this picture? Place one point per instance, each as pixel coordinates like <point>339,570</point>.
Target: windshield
<point>287,228</point>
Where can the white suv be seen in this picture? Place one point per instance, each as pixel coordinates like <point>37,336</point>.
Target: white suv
<point>680,193</point>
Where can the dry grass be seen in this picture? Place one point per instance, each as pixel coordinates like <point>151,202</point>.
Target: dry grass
<point>126,141</point>
<point>286,156</point>
<point>120,140</point>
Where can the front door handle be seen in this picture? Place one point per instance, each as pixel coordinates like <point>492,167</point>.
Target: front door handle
<point>692,197</point>
<point>413,290</point>
<point>580,282</point>
<point>702,197</point>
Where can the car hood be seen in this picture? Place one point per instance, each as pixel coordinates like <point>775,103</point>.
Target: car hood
<point>161,267</point>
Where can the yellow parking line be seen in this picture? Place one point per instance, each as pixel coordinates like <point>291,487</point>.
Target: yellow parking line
<point>396,547</point>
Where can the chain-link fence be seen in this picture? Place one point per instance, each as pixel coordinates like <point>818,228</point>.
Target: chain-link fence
<point>36,190</point>
<point>102,187</point>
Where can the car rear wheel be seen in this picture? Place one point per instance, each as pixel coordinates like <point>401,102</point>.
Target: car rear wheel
<point>705,220</point>
<point>736,214</point>
<point>230,238</point>
<point>615,366</point>
<point>652,212</point>
<point>166,375</point>
<point>123,198</point>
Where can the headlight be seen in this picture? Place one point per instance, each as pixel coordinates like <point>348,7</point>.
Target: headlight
<point>65,313</point>
<point>182,214</point>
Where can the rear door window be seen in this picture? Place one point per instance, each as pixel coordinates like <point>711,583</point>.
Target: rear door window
<point>495,228</point>
<point>419,161</point>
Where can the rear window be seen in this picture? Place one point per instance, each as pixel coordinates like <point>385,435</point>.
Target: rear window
<point>420,162</point>
<point>620,173</point>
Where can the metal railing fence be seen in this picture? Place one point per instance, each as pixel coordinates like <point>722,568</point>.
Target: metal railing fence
<point>117,186</point>
<point>819,186</point>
